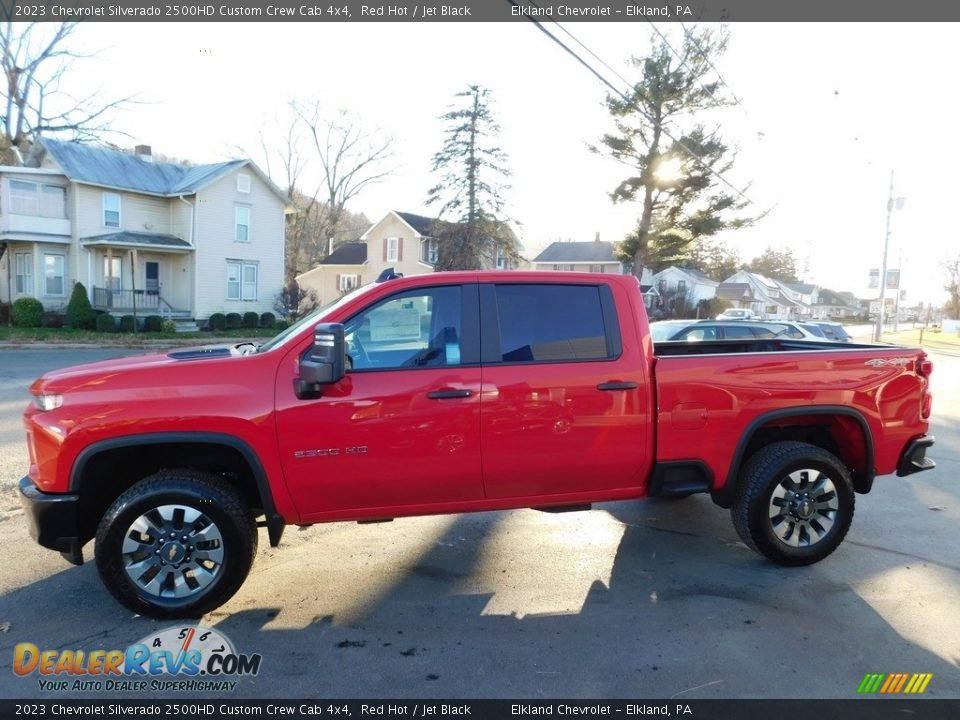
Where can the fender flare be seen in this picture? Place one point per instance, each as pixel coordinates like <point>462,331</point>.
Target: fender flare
<point>863,481</point>
<point>275,522</point>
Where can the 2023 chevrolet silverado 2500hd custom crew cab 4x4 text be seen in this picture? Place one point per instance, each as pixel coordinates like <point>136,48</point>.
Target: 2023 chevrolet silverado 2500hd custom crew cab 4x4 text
<point>448,393</point>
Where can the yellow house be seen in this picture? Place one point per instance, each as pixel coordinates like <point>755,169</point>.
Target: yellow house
<point>400,240</point>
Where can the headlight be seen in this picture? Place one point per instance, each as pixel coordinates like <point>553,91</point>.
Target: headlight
<point>47,402</point>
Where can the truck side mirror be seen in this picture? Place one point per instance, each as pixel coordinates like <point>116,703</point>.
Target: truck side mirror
<point>325,363</point>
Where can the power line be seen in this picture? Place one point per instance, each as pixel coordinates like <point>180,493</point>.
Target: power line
<point>683,60</point>
<point>696,44</point>
<point>630,102</point>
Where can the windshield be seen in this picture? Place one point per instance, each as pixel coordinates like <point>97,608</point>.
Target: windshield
<point>312,318</point>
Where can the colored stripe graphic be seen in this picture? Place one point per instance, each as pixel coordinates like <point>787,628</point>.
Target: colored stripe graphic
<point>870,683</point>
<point>895,683</point>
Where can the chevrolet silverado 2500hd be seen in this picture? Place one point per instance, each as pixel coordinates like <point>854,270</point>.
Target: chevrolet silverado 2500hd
<point>448,393</point>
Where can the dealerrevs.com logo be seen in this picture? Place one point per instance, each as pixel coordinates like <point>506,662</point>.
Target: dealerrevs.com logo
<point>196,658</point>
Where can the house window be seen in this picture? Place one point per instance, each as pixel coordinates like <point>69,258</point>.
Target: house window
<point>111,210</point>
<point>113,273</point>
<point>29,198</point>
<point>242,216</point>
<point>241,280</point>
<point>502,260</point>
<point>24,263</point>
<point>348,282</point>
<point>243,184</point>
<point>681,287</point>
<point>596,268</point>
<point>53,272</point>
<point>662,285</point>
<point>393,249</point>
<point>566,268</point>
<point>429,251</point>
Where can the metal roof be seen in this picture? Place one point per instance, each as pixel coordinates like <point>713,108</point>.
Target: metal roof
<point>137,239</point>
<point>594,251</point>
<point>114,168</point>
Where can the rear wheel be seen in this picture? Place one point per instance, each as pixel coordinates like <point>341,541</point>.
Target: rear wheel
<point>179,543</point>
<point>794,503</point>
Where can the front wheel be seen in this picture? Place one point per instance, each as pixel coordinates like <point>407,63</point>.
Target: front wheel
<point>794,503</point>
<point>177,544</point>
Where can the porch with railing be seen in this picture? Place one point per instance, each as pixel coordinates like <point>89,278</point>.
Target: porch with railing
<point>147,302</point>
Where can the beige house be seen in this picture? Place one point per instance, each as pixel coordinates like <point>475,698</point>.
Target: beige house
<point>152,237</point>
<point>400,241</point>
<point>594,256</point>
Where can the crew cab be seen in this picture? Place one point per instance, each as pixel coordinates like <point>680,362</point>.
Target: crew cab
<point>449,393</point>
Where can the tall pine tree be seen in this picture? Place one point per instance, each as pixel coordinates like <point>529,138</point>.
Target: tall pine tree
<point>471,231</point>
<point>681,198</point>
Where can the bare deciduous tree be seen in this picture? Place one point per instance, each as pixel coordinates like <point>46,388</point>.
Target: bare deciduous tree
<point>36,62</point>
<point>952,269</point>
<point>323,162</point>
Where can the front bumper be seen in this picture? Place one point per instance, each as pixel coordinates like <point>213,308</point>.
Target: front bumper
<point>53,520</point>
<point>914,458</point>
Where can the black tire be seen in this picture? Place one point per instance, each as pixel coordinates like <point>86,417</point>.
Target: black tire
<point>815,510</point>
<point>229,536</point>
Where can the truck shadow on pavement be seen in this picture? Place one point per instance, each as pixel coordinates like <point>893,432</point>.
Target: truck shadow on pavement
<point>636,600</point>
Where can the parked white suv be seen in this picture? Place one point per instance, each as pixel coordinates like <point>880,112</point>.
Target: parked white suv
<point>737,314</point>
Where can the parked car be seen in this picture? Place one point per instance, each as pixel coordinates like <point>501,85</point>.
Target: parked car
<point>695,330</point>
<point>834,331</point>
<point>449,393</point>
<point>738,314</point>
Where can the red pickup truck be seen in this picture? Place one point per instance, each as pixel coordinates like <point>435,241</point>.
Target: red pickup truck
<point>448,393</point>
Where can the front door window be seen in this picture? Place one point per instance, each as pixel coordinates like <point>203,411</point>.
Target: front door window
<point>152,270</point>
<point>113,273</point>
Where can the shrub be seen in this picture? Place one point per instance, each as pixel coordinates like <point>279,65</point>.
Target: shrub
<point>128,323</point>
<point>80,314</point>
<point>281,325</point>
<point>234,321</point>
<point>52,320</point>
<point>168,326</point>
<point>27,312</point>
<point>153,323</point>
<point>250,320</point>
<point>106,323</point>
<point>268,320</point>
<point>217,321</point>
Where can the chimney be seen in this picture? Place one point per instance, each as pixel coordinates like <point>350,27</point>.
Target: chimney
<point>597,237</point>
<point>144,152</point>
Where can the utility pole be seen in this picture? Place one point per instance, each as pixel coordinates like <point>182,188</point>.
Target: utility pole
<point>891,203</point>
<point>896,301</point>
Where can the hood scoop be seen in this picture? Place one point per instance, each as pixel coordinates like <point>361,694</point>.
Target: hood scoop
<point>199,353</point>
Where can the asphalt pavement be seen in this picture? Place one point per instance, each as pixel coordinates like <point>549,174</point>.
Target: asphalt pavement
<point>654,599</point>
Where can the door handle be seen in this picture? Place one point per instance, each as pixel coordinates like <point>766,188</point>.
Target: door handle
<point>617,386</point>
<point>449,394</point>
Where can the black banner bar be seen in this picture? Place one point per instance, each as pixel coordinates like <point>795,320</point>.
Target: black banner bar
<point>877,708</point>
<point>639,11</point>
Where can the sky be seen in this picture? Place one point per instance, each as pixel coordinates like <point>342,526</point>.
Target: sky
<point>826,112</point>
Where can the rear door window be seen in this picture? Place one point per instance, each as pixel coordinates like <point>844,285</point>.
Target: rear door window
<point>552,323</point>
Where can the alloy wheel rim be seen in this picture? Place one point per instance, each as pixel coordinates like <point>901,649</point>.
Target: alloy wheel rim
<point>803,508</point>
<point>172,552</point>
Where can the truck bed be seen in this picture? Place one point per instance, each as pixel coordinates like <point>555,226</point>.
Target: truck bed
<point>753,345</point>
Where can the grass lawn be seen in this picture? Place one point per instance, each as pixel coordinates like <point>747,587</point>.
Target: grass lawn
<point>67,335</point>
<point>913,336</point>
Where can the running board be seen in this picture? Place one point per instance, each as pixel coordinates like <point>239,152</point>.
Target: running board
<point>564,508</point>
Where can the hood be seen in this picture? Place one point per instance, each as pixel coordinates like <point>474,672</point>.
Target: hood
<point>78,377</point>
